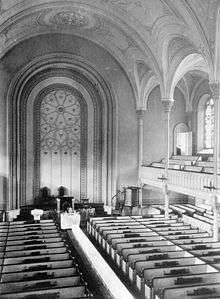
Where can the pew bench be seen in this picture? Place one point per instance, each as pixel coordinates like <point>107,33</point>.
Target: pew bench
<point>27,276</point>
<point>201,292</point>
<point>162,283</point>
<point>63,292</point>
<point>34,285</point>
<point>145,282</point>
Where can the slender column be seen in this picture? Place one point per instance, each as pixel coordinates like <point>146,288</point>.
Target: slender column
<point>140,119</point>
<point>167,104</point>
<point>58,206</point>
<point>215,88</point>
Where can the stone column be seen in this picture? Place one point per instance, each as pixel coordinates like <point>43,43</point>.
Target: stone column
<point>140,119</point>
<point>167,104</point>
<point>215,88</point>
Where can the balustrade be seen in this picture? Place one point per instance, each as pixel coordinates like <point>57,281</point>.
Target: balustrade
<point>179,181</point>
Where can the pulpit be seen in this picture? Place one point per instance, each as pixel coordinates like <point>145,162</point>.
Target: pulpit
<point>131,199</point>
<point>132,196</point>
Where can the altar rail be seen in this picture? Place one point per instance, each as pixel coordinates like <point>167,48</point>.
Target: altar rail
<point>185,182</point>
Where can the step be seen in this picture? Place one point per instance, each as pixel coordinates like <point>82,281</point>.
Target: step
<point>43,284</point>
<point>64,293</point>
<point>38,266</point>
<point>31,259</point>
<point>35,275</point>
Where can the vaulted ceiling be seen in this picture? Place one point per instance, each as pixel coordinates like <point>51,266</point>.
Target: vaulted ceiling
<point>155,41</point>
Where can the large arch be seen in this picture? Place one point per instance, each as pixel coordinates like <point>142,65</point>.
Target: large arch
<point>22,97</point>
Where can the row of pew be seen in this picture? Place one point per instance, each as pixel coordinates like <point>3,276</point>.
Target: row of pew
<point>162,258</point>
<point>197,216</point>
<point>36,263</point>
<point>187,163</point>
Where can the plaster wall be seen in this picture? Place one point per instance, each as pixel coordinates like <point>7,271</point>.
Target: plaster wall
<point>155,125</point>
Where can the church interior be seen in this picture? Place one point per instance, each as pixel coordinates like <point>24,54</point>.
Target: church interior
<point>109,149</point>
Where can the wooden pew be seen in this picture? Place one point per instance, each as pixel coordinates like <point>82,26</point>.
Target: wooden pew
<point>31,247</point>
<point>122,250</point>
<point>211,290</point>
<point>108,238</point>
<point>162,283</point>
<point>155,244</point>
<point>33,235</point>
<point>189,236</point>
<point>138,264</point>
<point>32,241</point>
<point>35,252</point>
<point>34,285</point>
<point>146,281</point>
<point>197,223</point>
<point>193,168</point>
<point>38,266</point>
<point>36,259</point>
<point>136,255</point>
<point>193,241</point>
<point>27,276</point>
<point>201,246</point>
<point>32,232</point>
<point>117,242</point>
<point>179,231</point>
<point>64,293</point>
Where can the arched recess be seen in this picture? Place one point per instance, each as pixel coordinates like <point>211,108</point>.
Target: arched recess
<point>179,128</point>
<point>74,74</point>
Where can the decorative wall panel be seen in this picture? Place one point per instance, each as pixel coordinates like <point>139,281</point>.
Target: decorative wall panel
<point>62,125</point>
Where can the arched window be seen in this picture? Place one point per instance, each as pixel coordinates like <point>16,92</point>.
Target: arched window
<point>209,124</point>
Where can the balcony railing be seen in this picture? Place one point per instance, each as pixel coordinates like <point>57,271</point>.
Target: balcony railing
<point>186,182</point>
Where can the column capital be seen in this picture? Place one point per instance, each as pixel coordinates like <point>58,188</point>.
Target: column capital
<point>140,113</point>
<point>167,104</point>
<point>215,89</point>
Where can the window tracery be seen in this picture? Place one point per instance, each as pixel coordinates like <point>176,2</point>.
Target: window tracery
<point>60,122</point>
